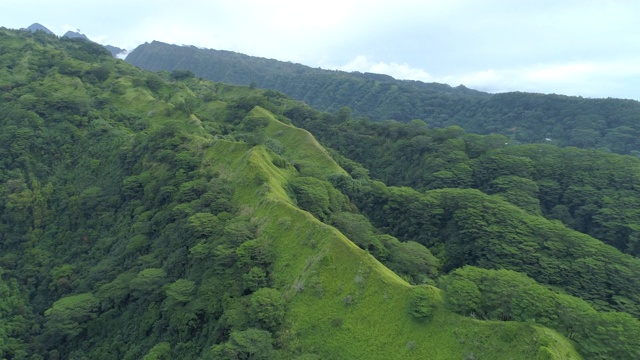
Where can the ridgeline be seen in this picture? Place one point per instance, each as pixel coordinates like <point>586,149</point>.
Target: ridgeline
<point>610,125</point>
<point>161,216</point>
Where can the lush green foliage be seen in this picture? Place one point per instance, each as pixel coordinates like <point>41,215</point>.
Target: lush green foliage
<point>104,191</point>
<point>423,301</point>
<point>372,95</point>
<point>409,259</point>
<point>507,295</point>
<point>606,124</point>
<point>467,227</point>
<point>161,216</point>
<point>589,191</point>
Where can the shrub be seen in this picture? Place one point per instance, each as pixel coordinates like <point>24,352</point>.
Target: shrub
<point>422,300</point>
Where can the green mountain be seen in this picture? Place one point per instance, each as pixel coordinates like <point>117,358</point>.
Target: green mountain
<point>604,124</point>
<point>372,95</point>
<point>162,216</point>
<point>589,191</point>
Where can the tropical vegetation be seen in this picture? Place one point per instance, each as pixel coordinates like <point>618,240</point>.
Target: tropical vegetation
<point>157,215</point>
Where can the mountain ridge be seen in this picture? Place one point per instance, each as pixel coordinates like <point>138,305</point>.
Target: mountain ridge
<point>158,221</point>
<point>114,50</point>
<point>605,124</point>
<point>240,69</point>
<point>299,68</point>
<point>161,215</point>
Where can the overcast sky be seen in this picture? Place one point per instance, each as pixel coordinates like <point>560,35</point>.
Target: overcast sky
<point>572,47</point>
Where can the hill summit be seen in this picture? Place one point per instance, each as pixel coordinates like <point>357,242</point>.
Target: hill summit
<point>37,27</point>
<point>75,35</point>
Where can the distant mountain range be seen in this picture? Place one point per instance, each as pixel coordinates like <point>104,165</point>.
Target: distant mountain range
<point>606,124</point>
<point>115,51</point>
<point>372,95</point>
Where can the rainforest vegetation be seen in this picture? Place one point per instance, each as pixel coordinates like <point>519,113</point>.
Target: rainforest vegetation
<point>610,125</point>
<point>157,215</point>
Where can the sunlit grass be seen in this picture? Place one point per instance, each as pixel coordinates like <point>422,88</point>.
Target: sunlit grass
<point>342,302</point>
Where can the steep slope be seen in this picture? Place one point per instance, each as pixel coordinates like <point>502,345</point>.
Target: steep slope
<point>344,299</point>
<point>606,124</point>
<point>590,191</point>
<point>153,216</point>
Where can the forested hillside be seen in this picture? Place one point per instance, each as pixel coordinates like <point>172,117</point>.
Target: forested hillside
<point>161,216</point>
<point>590,191</point>
<point>372,95</point>
<point>605,124</point>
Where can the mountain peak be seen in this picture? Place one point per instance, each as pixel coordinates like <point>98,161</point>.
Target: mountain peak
<point>38,27</point>
<point>73,34</point>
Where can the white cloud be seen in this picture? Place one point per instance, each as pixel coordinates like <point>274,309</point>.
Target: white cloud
<point>589,79</point>
<point>399,71</point>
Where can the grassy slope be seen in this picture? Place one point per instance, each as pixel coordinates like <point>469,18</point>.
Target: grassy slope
<point>330,269</point>
<point>342,302</point>
<point>301,146</point>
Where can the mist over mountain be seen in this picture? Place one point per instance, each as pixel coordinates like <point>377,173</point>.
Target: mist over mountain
<point>116,51</point>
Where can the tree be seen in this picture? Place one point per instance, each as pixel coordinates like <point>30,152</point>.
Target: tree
<point>414,260</point>
<point>68,316</point>
<point>422,302</point>
<point>266,307</point>
<point>343,114</point>
<point>311,195</point>
<point>202,225</point>
<point>248,344</point>
<point>181,290</point>
<point>162,351</point>
<point>98,74</point>
<point>147,282</point>
<point>254,279</point>
<point>182,74</point>
<point>461,295</point>
<point>518,191</point>
<point>358,229</point>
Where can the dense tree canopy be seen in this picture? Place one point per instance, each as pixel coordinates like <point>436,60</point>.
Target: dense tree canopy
<point>161,216</point>
<point>605,124</point>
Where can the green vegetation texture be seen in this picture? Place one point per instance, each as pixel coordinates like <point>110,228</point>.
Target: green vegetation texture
<point>161,216</point>
<point>610,125</point>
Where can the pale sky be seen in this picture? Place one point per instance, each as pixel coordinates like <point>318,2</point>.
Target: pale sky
<point>573,47</point>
